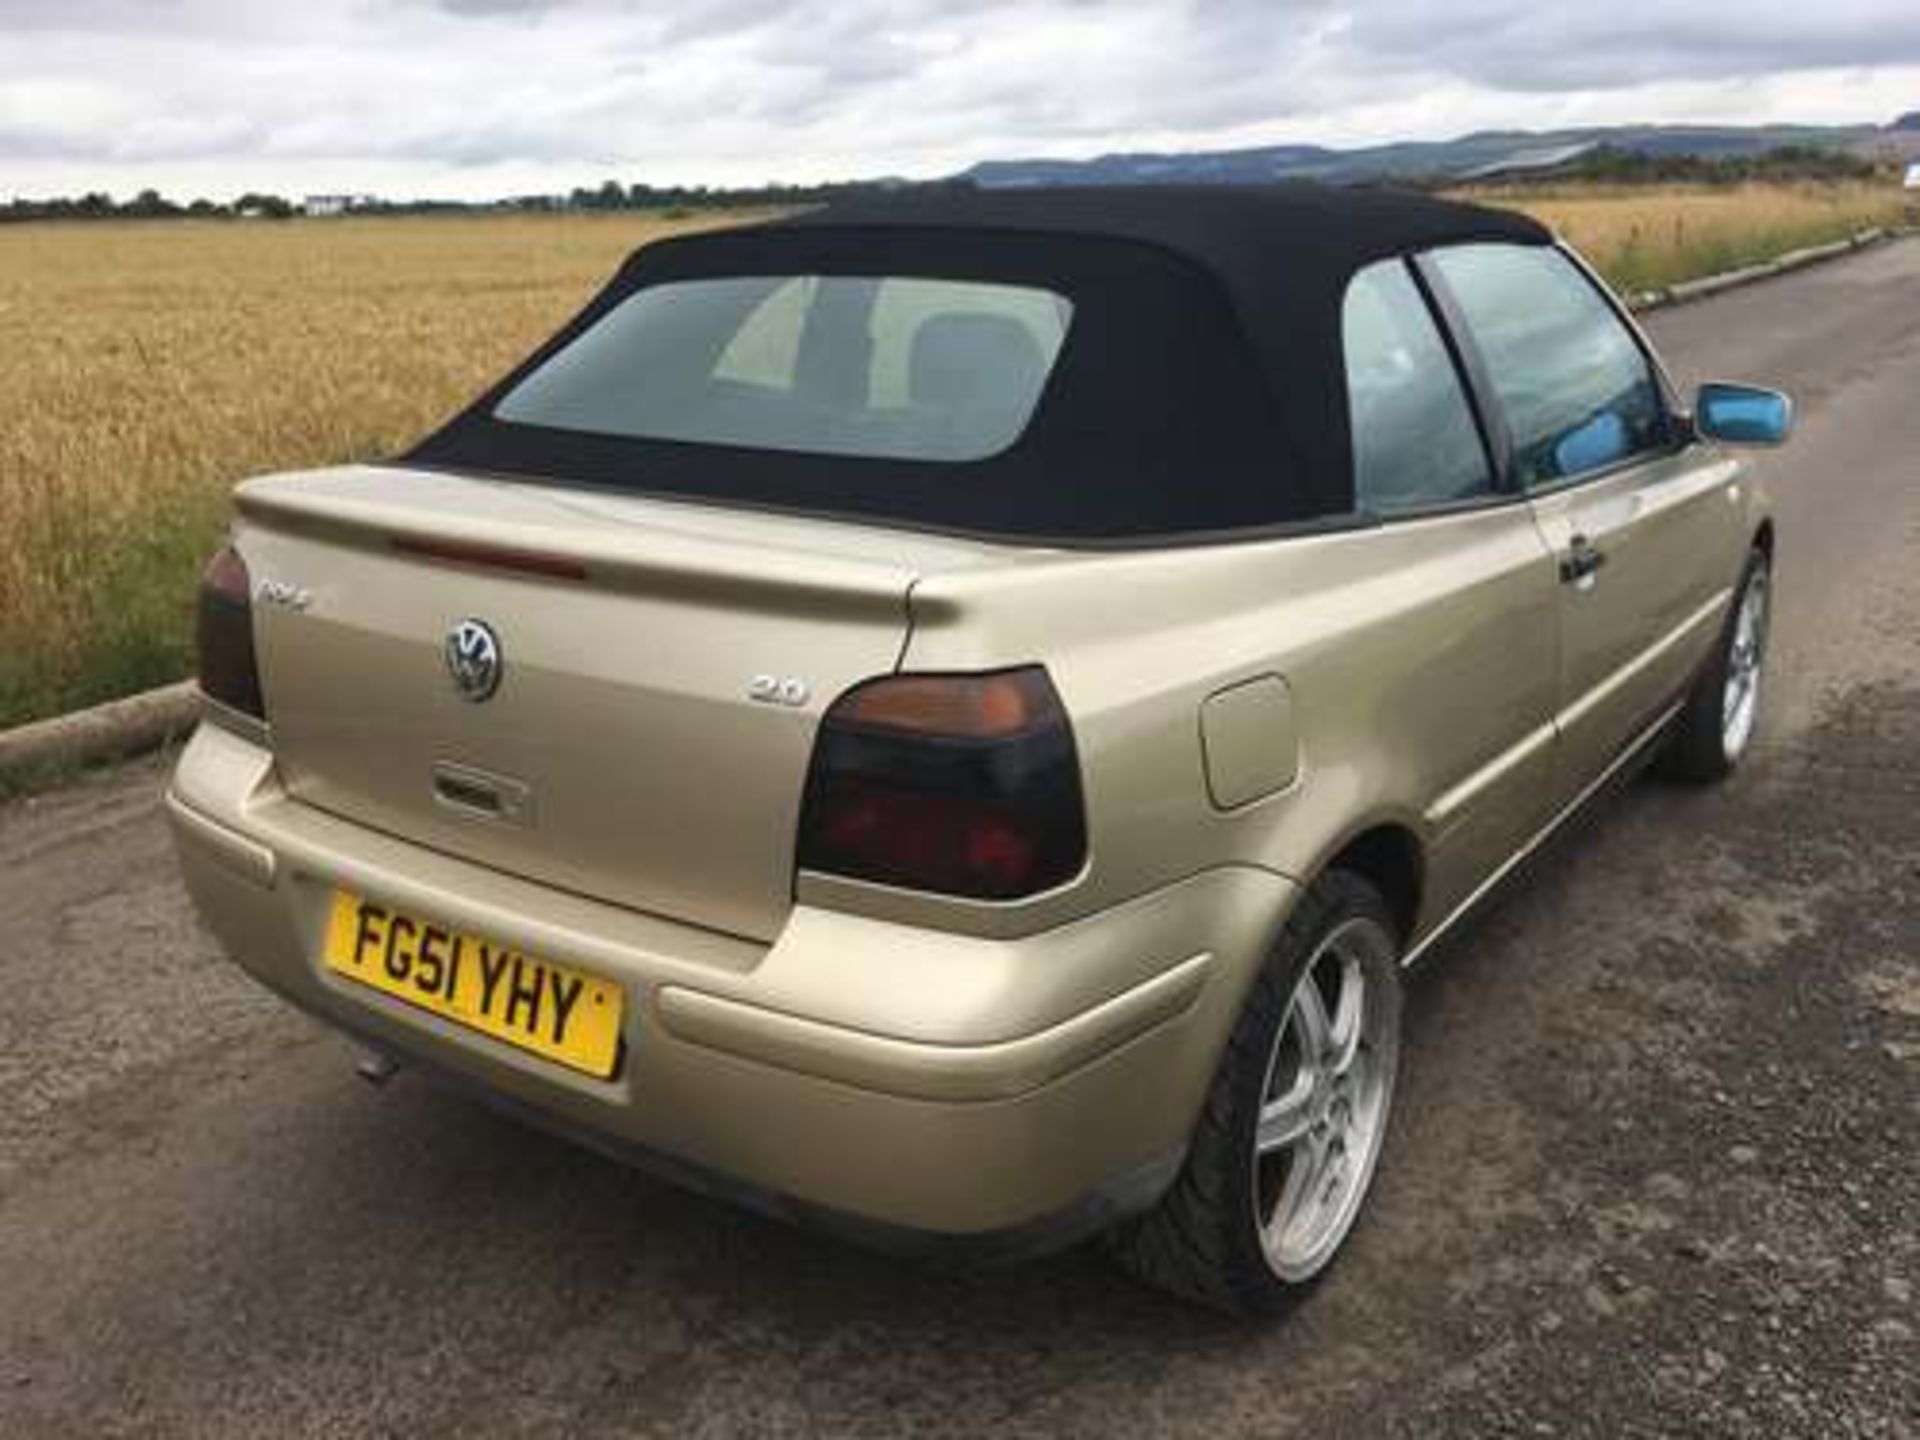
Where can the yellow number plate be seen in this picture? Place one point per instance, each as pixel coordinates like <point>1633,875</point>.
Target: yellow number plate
<point>526,1002</point>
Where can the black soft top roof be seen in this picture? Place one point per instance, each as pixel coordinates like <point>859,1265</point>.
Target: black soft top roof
<point>1308,237</point>
<point>1202,390</point>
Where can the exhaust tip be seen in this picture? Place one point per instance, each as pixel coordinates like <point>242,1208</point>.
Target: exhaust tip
<point>376,1069</point>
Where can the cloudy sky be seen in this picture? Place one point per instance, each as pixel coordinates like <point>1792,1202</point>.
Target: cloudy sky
<point>487,97</point>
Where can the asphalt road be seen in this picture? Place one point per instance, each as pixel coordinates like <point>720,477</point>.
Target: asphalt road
<point>1657,1169</point>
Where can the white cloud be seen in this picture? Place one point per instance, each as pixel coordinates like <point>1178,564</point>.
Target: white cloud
<point>479,97</point>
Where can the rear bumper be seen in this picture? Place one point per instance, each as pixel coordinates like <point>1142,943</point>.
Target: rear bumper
<point>901,1084</point>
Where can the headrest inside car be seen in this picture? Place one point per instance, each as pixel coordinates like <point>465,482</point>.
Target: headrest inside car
<point>976,362</point>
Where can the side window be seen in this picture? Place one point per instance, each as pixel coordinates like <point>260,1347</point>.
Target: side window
<point>1577,391</point>
<point>1414,441</point>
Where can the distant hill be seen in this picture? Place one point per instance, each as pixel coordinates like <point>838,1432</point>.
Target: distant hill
<point>1486,152</point>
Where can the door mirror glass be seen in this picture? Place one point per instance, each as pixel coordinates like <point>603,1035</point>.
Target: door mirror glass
<point>1742,414</point>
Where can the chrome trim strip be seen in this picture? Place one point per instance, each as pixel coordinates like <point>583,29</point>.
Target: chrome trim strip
<point>1598,694</point>
<point>1445,809</point>
<point>1619,763</point>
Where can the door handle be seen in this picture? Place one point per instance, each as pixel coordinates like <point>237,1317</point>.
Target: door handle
<point>1581,562</point>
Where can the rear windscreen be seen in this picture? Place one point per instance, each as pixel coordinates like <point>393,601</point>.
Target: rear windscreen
<point>1032,387</point>
<point>896,368</point>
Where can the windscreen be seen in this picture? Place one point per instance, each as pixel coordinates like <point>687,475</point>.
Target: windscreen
<point>897,368</point>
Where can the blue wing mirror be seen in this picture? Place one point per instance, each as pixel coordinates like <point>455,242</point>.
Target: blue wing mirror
<point>1742,414</point>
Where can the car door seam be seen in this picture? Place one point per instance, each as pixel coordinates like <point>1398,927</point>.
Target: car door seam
<point>1596,694</point>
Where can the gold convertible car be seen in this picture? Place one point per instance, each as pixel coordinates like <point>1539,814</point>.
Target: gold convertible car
<point>945,716</point>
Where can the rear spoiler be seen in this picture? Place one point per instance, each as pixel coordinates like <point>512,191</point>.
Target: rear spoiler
<point>455,520</point>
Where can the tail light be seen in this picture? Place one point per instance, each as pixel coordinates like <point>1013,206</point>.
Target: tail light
<point>228,673</point>
<point>959,784</point>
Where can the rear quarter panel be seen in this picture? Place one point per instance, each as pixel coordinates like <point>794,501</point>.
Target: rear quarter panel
<point>1416,655</point>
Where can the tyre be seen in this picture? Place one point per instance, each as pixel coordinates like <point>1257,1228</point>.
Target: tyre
<point>1716,725</point>
<point>1290,1135</point>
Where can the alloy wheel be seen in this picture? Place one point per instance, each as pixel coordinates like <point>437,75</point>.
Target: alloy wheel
<point>1326,1098</point>
<point>1746,654</point>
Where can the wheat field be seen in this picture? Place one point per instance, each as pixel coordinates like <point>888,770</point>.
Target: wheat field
<point>1646,238</point>
<point>147,366</point>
